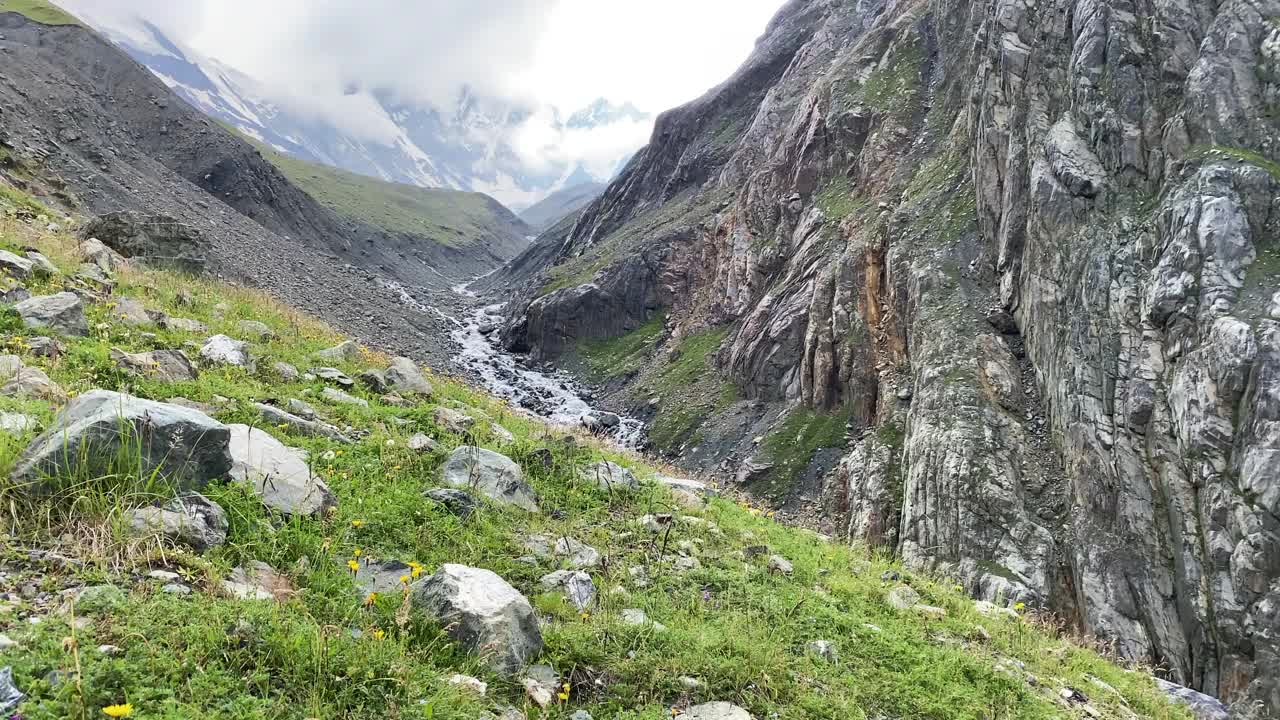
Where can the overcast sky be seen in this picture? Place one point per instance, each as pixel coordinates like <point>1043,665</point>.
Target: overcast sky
<point>654,53</point>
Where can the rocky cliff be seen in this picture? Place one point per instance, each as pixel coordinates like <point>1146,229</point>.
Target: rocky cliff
<point>1027,251</point>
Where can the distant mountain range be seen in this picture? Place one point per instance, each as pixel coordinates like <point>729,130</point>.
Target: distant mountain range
<point>471,146</point>
<point>554,207</point>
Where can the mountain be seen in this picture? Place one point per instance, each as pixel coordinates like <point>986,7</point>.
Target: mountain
<point>988,285</point>
<point>86,127</point>
<point>471,146</point>
<point>546,212</point>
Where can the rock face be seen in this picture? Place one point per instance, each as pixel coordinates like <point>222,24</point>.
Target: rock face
<point>156,240</point>
<point>483,613</point>
<point>63,313</point>
<point>1025,251</point>
<point>277,473</point>
<point>493,474</point>
<point>87,438</point>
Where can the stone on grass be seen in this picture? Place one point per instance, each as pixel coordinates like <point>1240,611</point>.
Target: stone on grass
<point>501,434</point>
<point>821,649</point>
<point>452,420</point>
<point>16,266</point>
<point>576,586</point>
<point>483,613</point>
<point>257,581</point>
<point>17,423</point>
<point>780,565</point>
<point>577,554</point>
<point>344,351</point>
<point>716,711</point>
<point>186,447</point>
<point>374,381</point>
<point>902,597</point>
<point>468,683</point>
<point>638,618</point>
<point>455,501</point>
<point>94,251</point>
<point>134,314</point>
<point>494,475</point>
<point>341,397</point>
<point>45,347</point>
<point>41,265</point>
<point>333,375</point>
<point>420,442</point>
<point>62,313</point>
<point>690,486</point>
<point>277,473</point>
<point>255,330</point>
<point>312,428</point>
<point>382,577</point>
<point>286,371</point>
<point>223,350</point>
<point>405,378</point>
<point>23,381</point>
<point>1202,707</point>
<point>162,365</point>
<point>154,240</point>
<point>185,325</point>
<point>190,519</point>
<point>609,476</point>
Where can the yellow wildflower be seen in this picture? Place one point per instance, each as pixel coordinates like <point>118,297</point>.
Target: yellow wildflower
<point>370,599</point>
<point>379,634</point>
<point>586,615</point>
<point>354,565</point>
<point>355,553</point>
<point>1019,606</point>
<point>404,579</point>
<point>357,523</point>
<point>118,711</point>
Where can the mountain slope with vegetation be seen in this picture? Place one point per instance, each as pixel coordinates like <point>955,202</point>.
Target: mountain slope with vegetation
<point>560,204</point>
<point>989,284</point>
<point>697,600</point>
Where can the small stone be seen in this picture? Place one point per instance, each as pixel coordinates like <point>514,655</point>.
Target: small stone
<point>340,397</point>
<point>821,649</point>
<point>163,575</point>
<point>780,565</point>
<point>468,683</point>
<point>420,442</point>
<point>902,597</point>
<point>110,650</point>
<point>6,643</point>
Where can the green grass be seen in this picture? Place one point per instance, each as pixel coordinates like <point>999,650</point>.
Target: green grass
<point>894,88</point>
<point>689,390</point>
<point>18,200</point>
<point>615,357</point>
<point>40,11</point>
<point>448,217</point>
<point>837,201</point>
<point>791,447</point>
<point>1208,152</point>
<point>324,654</point>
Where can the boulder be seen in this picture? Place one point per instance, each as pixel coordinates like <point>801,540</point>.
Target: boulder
<point>716,711</point>
<point>23,381</point>
<point>287,372</point>
<point>1202,707</point>
<point>822,650</point>
<point>135,314</point>
<point>381,577</point>
<point>257,581</point>
<point>189,519</point>
<point>576,554</point>
<point>340,397</point>
<point>332,375</point>
<point>691,486</point>
<point>62,313</point>
<point>222,350</point>
<point>374,380</point>
<point>45,347</point>
<point>96,252</point>
<point>186,325</point>
<point>185,446</point>
<point>255,330</point>
<point>312,428</point>
<point>277,473</point>
<point>155,240</point>
<point>608,475</point>
<point>17,423</point>
<point>41,266</point>
<point>342,352</point>
<point>574,584</point>
<point>455,501</point>
<point>15,266</point>
<point>902,597</point>
<point>483,613</point>
<point>404,377</point>
<point>493,474</point>
<point>780,565</point>
<point>302,409</point>
<point>94,278</point>
<point>420,442</point>
<point>163,365</point>
<point>501,434</point>
<point>456,422</point>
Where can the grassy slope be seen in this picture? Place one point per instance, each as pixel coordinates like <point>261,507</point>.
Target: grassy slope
<point>730,623</point>
<point>40,11</point>
<point>449,217</point>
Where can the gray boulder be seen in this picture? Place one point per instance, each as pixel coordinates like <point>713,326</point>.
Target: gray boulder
<point>63,313</point>
<point>164,365</point>
<point>95,252</point>
<point>16,423</point>
<point>608,475</point>
<point>185,446</point>
<point>374,380</point>
<point>312,428</point>
<point>41,265</point>
<point>190,519</point>
<point>255,330</point>
<point>493,474</point>
<point>421,442</point>
<point>483,613</point>
<point>1202,707</point>
<point>333,375</point>
<point>186,325</point>
<point>382,576</point>
<point>455,501</point>
<point>716,711</point>
<point>23,381</point>
<point>576,554</point>
<point>134,314</point>
<point>222,350</point>
<point>286,371</point>
<point>341,397</point>
<point>404,377</point>
<point>452,420</point>
<point>902,597</point>
<point>576,586</point>
<point>156,240</point>
<point>46,347</point>
<point>277,473</point>
<point>18,267</point>
<point>342,352</point>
